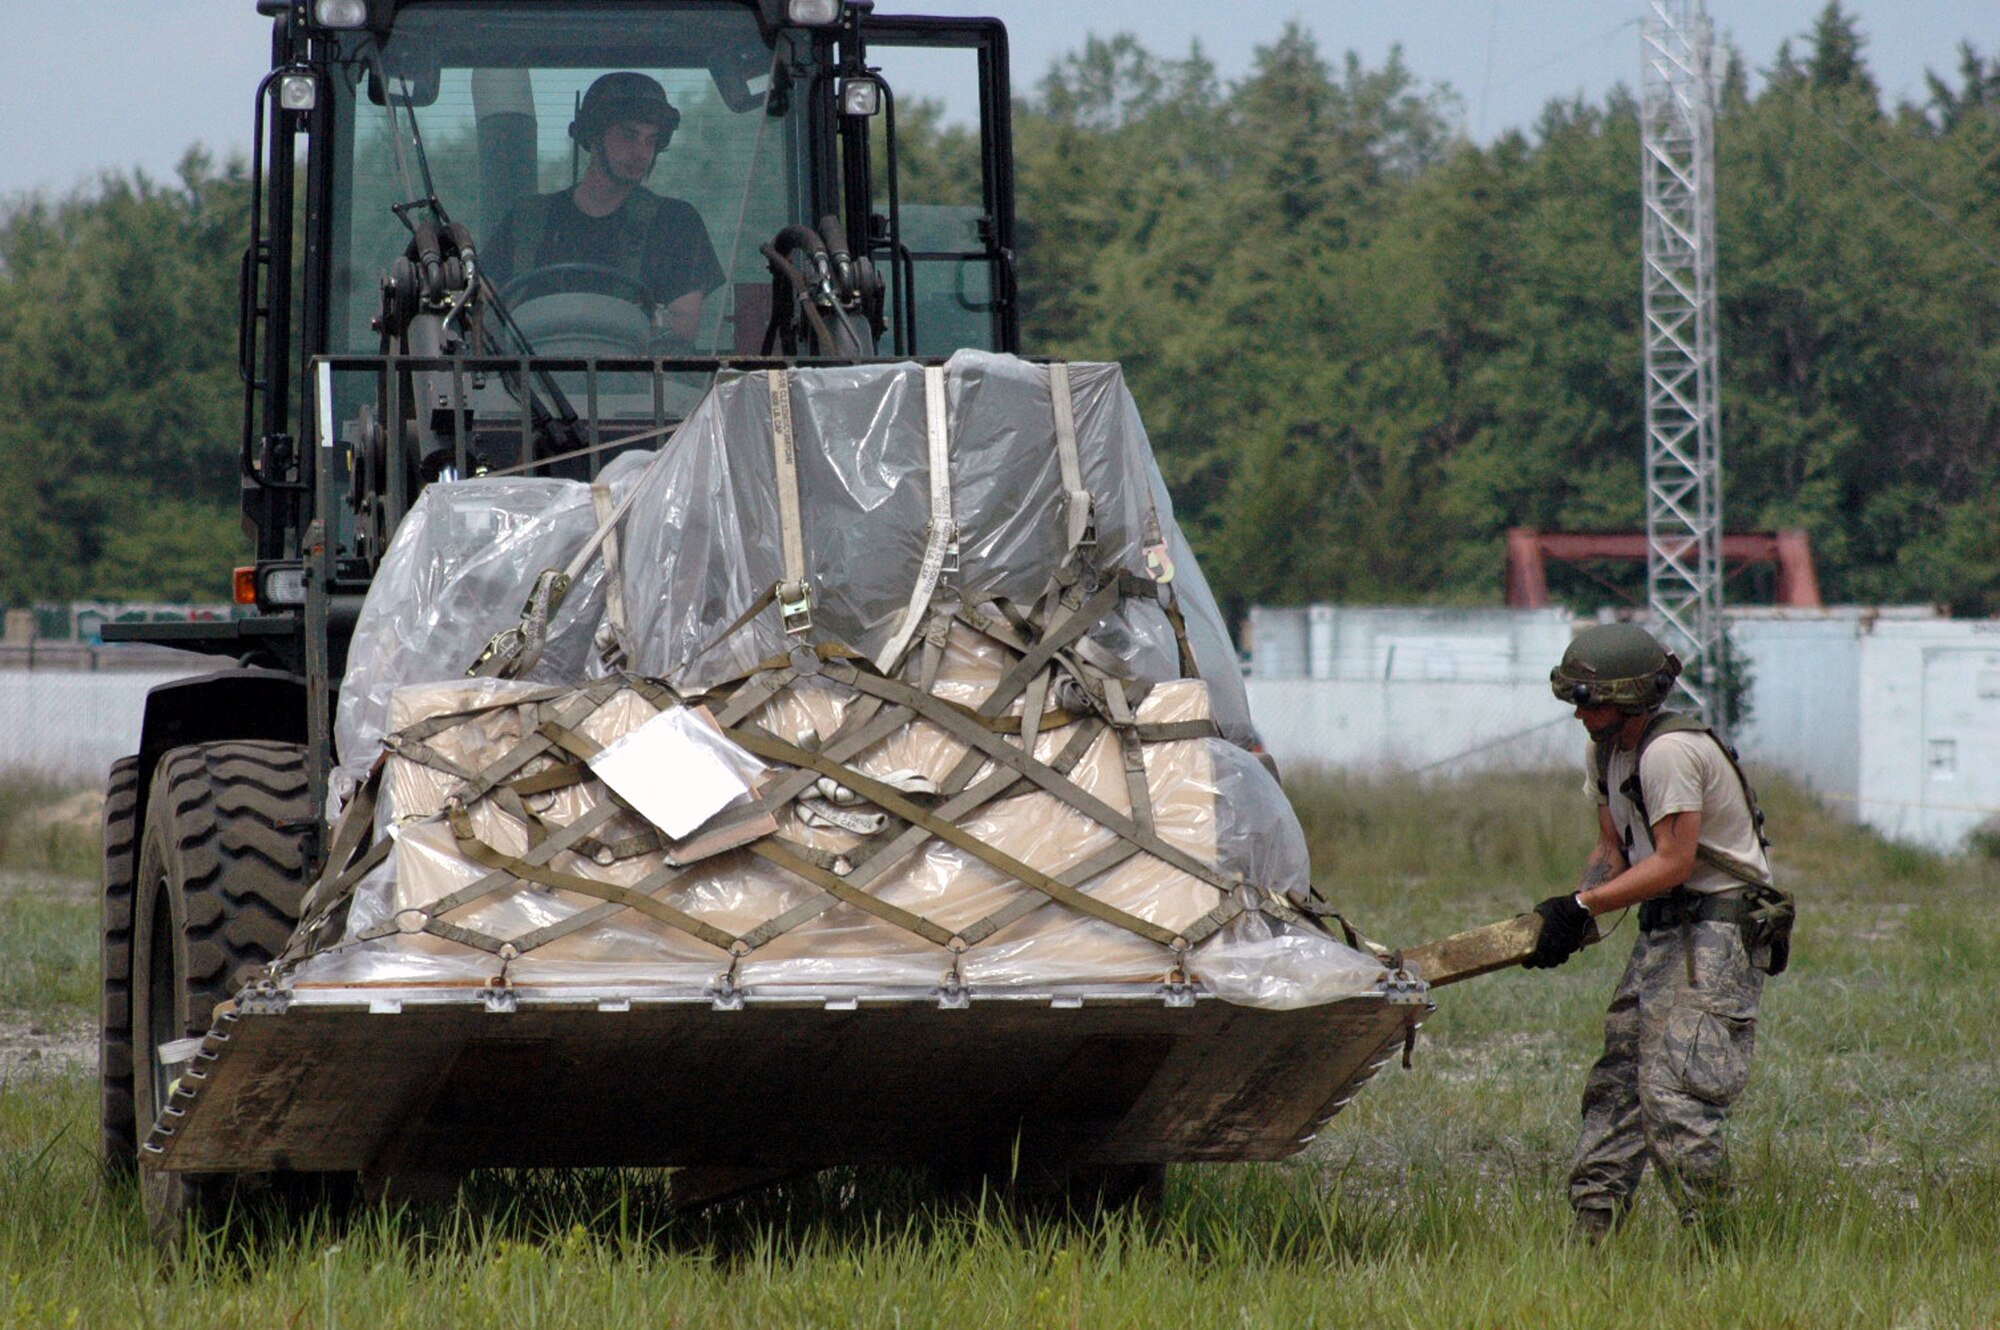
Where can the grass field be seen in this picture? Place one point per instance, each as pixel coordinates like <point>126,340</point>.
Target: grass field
<point>1868,1147</point>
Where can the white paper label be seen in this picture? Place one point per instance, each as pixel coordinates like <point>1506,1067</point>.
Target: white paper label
<point>671,772</point>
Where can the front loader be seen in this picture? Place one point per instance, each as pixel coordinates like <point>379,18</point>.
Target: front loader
<point>395,393</point>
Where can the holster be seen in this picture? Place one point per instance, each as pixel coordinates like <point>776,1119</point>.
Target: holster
<point>1767,922</point>
<point>1764,913</point>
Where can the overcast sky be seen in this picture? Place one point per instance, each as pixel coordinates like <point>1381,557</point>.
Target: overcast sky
<point>90,85</point>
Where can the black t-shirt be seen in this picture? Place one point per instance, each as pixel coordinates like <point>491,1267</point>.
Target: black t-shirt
<point>673,254</point>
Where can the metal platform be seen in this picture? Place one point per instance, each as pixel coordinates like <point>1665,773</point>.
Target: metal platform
<point>379,1080</point>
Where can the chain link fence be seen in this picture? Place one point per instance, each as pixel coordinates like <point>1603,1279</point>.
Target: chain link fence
<point>1433,692</point>
<point>67,711</point>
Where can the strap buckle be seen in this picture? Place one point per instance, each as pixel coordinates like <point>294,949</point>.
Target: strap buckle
<point>514,651</point>
<point>795,603</point>
<point>1080,516</point>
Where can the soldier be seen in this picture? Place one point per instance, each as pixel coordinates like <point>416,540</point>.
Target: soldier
<point>1679,836</point>
<point>609,221</point>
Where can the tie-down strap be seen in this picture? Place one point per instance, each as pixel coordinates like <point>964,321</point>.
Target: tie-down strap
<point>941,537</point>
<point>793,592</point>
<point>1079,505</point>
<point>882,708</point>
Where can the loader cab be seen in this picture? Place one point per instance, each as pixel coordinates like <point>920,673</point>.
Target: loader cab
<point>386,121</point>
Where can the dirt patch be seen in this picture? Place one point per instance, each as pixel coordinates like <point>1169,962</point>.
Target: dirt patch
<point>82,811</point>
<point>28,882</point>
<point>43,1047</point>
<point>31,1048</point>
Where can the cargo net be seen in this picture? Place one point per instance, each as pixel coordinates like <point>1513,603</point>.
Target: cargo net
<point>957,735</point>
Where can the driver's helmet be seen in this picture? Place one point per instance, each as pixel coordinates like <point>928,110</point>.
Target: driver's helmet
<point>1616,664</point>
<point>619,97</point>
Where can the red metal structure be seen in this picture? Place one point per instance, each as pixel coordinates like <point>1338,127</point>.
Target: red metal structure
<point>1528,552</point>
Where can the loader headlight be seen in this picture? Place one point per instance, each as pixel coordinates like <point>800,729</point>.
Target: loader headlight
<point>298,92</point>
<point>812,13</point>
<point>340,13</point>
<point>282,583</point>
<point>860,97</point>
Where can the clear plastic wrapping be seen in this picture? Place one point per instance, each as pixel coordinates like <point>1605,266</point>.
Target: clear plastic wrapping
<point>700,549</point>
<point>458,571</point>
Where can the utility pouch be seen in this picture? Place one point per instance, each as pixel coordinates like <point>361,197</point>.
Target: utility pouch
<point>1767,923</point>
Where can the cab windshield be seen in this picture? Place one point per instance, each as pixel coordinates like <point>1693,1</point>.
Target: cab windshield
<point>473,103</point>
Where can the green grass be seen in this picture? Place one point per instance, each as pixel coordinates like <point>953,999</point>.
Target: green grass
<point>1868,1153</point>
<point>48,916</point>
<point>48,953</point>
<point>32,844</point>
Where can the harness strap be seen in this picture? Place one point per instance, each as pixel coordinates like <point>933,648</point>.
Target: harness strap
<point>959,803</point>
<point>1020,908</point>
<point>753,696</point>
<point>596,914</point>
<point>1677,722</point>
<point>438,724</point>
<point>1136,788</point>
<point>514,651</point>
<point>517,649</point>
<point>896,802</point>
<point>538,744</point>
<point>431,914</point>
<point>357,823</point>
<point>1059,635</point>
<point>325,896</point>
<point>871,866</point>
<point>834,885</point>
<point>1079,505</point>
<point>615,646</point>
<point>1173,731</point>
<point>1190,667</point>
<point>793,591</point>
<point>1320,910</point>
<point>941,546</point>
<point>728,829</point>
<point>344,869</point>
<point>485,855</point>
<point>848,742</point>
<point>987,626</point>
<point>937,636</point>
<point>550,779</point>
<point>1000,751</point>
<point>416,750</point>
<point>1159,562</point>
<point>515,807</point>
<point>1032,703</point>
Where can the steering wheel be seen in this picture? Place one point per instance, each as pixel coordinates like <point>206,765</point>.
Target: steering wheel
<point>570,278</point>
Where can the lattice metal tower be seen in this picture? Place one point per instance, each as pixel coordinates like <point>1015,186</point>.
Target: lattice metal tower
<point>1683,443</point>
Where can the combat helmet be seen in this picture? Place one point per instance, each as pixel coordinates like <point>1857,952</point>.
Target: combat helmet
<point>623,96</point>
<point>1616,664</point>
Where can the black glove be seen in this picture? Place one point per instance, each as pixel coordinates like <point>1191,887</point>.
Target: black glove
<point>1564,926</point>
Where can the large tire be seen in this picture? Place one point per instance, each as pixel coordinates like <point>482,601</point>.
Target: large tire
<point>117,1137</point>
<point>221,872</point>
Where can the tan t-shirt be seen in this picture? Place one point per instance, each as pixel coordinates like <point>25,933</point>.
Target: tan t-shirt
<point>1685,771</point>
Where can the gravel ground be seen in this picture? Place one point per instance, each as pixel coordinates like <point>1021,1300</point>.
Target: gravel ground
<point>29,1049</point>
<point>37,1048</point>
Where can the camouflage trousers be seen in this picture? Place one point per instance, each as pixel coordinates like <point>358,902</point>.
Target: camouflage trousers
<point>1676,1056</point>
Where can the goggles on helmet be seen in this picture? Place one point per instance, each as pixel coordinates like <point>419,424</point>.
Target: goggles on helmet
<point>1641,691</point>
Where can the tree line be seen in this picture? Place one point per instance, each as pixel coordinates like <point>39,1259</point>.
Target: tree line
<point>1363,345</point>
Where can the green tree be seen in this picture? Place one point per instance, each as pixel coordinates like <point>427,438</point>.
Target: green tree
<point>1835,63</point>
<point>118,389</point>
